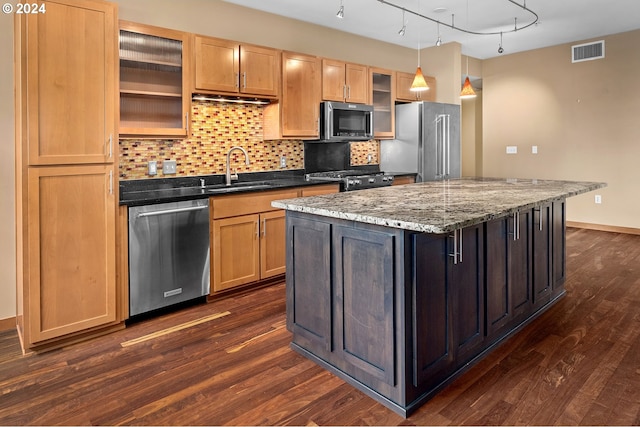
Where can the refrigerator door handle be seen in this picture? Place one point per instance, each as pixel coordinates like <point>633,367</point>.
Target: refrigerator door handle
<point>448,144</point>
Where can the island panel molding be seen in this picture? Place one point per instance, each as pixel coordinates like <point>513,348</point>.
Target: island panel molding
<point>399,311</point>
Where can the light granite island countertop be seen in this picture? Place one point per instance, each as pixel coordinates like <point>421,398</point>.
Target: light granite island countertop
<point>439,206</point>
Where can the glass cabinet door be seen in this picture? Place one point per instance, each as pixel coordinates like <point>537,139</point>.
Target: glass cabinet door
<point>153,99</point>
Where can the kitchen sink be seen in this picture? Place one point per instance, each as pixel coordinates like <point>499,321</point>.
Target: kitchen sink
<point>238,186</point>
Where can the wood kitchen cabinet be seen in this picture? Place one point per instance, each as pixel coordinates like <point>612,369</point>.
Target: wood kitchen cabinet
<point>542,255</point>
<point>509,271</point>
<point>403,84</point>
<point>344,82</point>
<point>66,150</point>
<point>297,114</point>
<point>383,96</point>
<point>224,66</point>
<point>248,238</point>
<point>155,93</point>
<point>448,287</point>
<point>71,250</point>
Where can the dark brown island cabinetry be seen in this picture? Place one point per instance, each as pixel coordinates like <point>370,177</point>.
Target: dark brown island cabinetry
<point>399,313</point>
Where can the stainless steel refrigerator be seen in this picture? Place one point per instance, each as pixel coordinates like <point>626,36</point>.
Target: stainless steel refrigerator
<point>427,141</point>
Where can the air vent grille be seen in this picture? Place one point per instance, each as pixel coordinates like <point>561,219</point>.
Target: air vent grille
<point>587,51</point>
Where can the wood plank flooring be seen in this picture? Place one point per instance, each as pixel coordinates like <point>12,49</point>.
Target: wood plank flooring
<point>578,364</point>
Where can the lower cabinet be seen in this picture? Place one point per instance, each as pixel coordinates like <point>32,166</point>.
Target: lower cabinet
<point>558,247</point>
<point>542,255</point>
<point>236,252</point>
<point>509,290</point>
<point>399,314</point>
<point>70,252</point>
<point>248,236</point>
<point>448,293</point>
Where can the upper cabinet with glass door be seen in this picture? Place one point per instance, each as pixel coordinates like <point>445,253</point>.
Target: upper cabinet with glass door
<point>382,83</point>
<point>154,89</point>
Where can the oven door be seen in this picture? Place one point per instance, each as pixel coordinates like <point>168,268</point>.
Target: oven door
<point>345,122</point>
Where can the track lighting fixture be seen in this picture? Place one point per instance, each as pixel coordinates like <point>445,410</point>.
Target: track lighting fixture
<point>439,41</point>
<point>404,25</point>
<point>340,13</point>
<point>500,49</point>
<point>453,26</point>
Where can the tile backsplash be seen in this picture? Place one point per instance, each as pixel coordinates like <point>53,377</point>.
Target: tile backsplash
<point>215,128</point>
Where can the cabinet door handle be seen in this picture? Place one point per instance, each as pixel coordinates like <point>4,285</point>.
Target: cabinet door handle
<point>244,79</point>
<point>257,228</point>
<point>541,219</point>
<point>110,145</point>
<point>111,182</point>
<point>348,92</point>
<point>186,122</point>
<point>455,246</point>
<point>237,80</point>
<point>264,227</point>
<point>460,249</point>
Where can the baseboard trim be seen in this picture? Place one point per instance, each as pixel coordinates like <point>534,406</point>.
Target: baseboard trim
<point>600,227</point>
<point>7,324</point>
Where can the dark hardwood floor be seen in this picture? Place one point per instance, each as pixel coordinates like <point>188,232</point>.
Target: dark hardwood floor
<point>578,364</point>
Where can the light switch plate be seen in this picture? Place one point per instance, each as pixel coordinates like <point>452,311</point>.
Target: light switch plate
<point>512,149</point>
<point>169,167</point>
<point>534,149</point>
<point>283,161</point>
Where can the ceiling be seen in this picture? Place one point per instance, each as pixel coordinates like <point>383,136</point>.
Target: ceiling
<point>558,22</point>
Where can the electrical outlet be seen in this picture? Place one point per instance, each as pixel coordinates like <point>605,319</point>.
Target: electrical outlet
<point>369,158</point>
<point>283,161</point>
<point>512,149</point>
<point>152,168</point>
<point>598,199</point>
<point>169,167</point>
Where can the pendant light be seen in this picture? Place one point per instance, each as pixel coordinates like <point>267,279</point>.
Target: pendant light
<point>419,83</point>
<point>467,90</point>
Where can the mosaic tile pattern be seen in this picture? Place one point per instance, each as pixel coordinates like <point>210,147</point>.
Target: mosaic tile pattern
<point>360,152</point>
<point>215,128</point>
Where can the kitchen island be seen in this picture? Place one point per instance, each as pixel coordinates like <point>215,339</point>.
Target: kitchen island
<point>398,290</point>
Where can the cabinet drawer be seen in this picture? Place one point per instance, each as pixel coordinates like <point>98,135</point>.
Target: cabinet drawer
<point>317,190</point>
<point>249,203</point>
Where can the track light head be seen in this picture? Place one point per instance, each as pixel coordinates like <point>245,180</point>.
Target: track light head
<point>340,13</point>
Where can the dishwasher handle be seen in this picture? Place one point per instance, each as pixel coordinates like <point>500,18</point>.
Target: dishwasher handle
<point>170,211</point>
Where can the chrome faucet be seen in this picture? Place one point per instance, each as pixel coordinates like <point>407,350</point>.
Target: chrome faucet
<point>230,177</point>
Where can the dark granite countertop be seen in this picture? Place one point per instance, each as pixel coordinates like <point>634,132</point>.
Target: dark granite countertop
<point>164,190</point>
<point>439,206</point>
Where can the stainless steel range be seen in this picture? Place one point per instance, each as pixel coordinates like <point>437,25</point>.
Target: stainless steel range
<point>351,180</point>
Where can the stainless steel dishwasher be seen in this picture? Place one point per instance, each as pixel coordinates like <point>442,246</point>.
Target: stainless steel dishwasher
<point>168,254</point>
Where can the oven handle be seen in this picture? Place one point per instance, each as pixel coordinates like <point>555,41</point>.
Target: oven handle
<point>170,211</point>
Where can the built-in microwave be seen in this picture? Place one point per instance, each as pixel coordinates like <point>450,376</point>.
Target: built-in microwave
<point>341,121</point>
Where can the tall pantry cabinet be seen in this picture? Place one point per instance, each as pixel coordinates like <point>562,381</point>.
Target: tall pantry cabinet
<point>66,171</point>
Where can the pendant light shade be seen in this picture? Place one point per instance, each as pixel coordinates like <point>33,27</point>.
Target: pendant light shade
<point>467,90</point>
<point>419,83</point>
